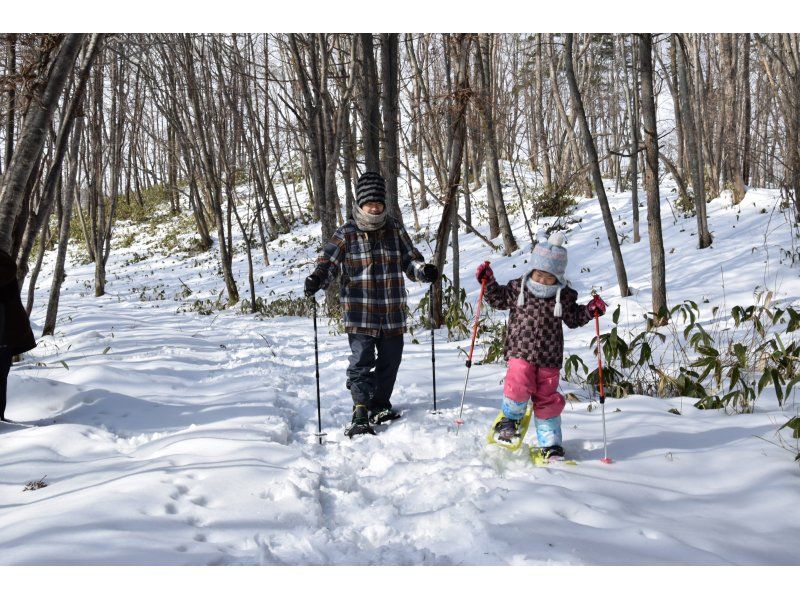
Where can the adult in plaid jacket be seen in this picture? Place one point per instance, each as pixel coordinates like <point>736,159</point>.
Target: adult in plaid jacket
<point>370,253</point>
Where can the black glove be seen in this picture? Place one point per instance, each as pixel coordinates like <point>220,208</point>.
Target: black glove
<point>313,284</point>
<point>429,273</point>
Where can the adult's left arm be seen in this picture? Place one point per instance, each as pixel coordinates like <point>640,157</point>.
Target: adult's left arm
<point>411,259</point>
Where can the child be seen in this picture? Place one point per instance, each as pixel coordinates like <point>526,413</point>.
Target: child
<point>534,345</point>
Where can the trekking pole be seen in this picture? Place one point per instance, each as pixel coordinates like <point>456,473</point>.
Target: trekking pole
<point>459,421</point>
<point>605,458</point>
<point>320,434</point>
<point>433,353</point>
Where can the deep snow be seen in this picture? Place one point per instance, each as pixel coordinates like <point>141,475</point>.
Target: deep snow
<point>178,438</point>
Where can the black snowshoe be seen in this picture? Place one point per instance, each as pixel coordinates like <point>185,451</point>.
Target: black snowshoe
<point>359,423</point>
<point>376,418</point>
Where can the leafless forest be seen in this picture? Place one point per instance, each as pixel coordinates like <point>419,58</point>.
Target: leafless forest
<point>95,123</point>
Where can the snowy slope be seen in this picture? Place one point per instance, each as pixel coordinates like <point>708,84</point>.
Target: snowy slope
<point>178,438</point>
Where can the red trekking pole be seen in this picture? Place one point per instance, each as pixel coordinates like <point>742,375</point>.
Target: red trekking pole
<point>605,458</point>
<point>460,421</point>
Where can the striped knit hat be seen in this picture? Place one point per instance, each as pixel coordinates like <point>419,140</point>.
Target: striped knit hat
<point>370,187</point>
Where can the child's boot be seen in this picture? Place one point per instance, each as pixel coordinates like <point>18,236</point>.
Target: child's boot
<point>548,436</point>
<point>506,430</point>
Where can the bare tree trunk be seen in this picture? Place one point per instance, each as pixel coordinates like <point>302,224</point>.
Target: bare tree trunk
<point>547,174</point>
<point>732,163</point>
<point>747,112</point>
<point>692,148</point>
<point>390,73</point>
<point>32,137</point>
<point>485,107</point>
<point>633,147</point>
<point>371,124</point>
<point>44,239</point>
<point>458,131</point>
<point>211,174</point>
<point>657,265</point>
<point>589,146</point>
<point>67,200</point>
<point>39,218</point>
<point>11,98</point>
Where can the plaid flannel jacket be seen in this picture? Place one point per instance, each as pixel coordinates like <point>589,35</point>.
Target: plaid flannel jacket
<point>372,293</point>
<point>534,333</point>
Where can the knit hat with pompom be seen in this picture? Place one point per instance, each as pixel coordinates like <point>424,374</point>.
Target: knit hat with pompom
<point>550,256</point>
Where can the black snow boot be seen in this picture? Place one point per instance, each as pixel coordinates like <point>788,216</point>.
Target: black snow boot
<point>360,422</point>
<point>381,416</point>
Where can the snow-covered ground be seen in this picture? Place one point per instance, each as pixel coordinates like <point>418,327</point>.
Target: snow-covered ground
<point>170,437</point>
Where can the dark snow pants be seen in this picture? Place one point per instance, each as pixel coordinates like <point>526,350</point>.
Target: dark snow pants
<point>371,380</point>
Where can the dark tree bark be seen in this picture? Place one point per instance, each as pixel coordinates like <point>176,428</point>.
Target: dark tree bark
<point>544,146</point>
<point>485,107</point>
<point>211,173</point>
<point>11,98</point>
<point>32,136</point>
<point>657,264</point>
<point>390,74</point>
<point>371,123</point>
<point>632,93</point>
<point>458,131</point>
<point>693,150</point>
<point>594,163</point>
<point>67,200</point>
<point>747,112</point>
<point>733,167</point>
<point>37,219</point>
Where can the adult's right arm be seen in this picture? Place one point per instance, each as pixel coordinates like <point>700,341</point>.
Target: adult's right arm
<point>330,260</point>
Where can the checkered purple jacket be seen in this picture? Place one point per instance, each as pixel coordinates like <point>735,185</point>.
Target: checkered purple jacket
<point>372,293</point>
<point>534,333</point>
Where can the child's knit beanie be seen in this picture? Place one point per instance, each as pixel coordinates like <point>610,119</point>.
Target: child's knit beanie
<point>550,256</point>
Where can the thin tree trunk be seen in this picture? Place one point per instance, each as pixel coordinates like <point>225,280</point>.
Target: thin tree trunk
<point>44,239</point>
<point>39,218</point>
<point>733,167</point>
<point>657,265</point>
<point>485,107</point>
<point>11,98</point>
<point>589,146</point>
<point>390,72</point>
<point>67,199</point>
<point>747,112</point>
<point>371,124</point>
<point>632,91</point>
<point>458,132</point>
<point>692,148</point>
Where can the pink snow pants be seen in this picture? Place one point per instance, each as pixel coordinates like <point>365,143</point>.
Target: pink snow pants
<point>525,381</point>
